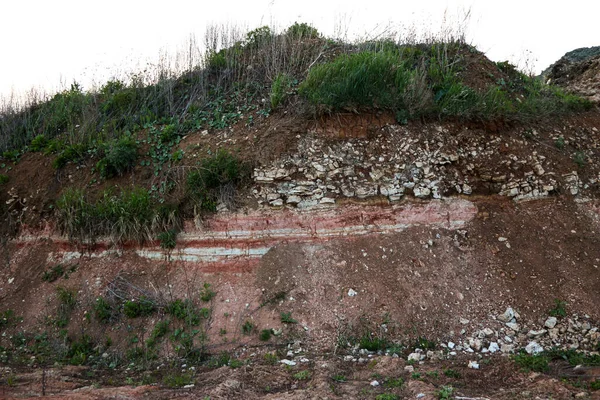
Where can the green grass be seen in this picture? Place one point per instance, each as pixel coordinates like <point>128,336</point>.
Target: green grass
<point>3,179</point>
<point>168,239</point>
<point>129,215</point>
<point>302,375</point>
<point>238,70</point>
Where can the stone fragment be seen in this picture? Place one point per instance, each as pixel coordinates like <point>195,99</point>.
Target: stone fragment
<point>533,348</point>
<point>550,322</point>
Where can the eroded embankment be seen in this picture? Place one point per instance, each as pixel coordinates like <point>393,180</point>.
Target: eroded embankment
<point>237,237</point>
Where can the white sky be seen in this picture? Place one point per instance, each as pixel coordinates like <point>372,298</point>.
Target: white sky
<point>46,42</point>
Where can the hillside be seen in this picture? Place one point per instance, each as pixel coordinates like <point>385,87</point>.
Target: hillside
<point>299,217</point>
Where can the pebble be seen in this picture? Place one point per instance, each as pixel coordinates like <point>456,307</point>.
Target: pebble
<point>533,348</point>
<point>550,322</point>
<point>374,383</point>
<point>473,365</point>
<point>288,362</point>
<point>352,293</point>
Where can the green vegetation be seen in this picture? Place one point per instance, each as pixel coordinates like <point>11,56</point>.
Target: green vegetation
<point>131,214</point>
<point>265,335</point>
<point>103,310</point>
<point>3,179</point>
<point>302,375</point>
<point>393,382</point>
<point>286,318</point>
<point>140,308</point>
<point>207,294</point>
<point>209,182</point>
<point>8,318</point>
<point>177,380</point>
<point>450,373</point>
<point>53,273</point>
<point>67,300</point>
<point>168,239</point>
<point>118,157</point>
<point>248,327</point>
<point>387,396</point>
<point>372,343</point>
<point>279,89</point>
<point>540,362</point>
<point>186,311</point>
<point>559,310</point>
<point>445,392</point>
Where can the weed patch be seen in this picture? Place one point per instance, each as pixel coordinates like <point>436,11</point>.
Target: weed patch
<point>139,308</point>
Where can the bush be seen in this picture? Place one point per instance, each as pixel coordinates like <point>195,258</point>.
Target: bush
<point>73,153</point>
<point>302,30</point>
<point>372,343</point>
<point>215,172</point>
<point>3,179</point>
<point>366,79</point>
<point>207,294</point>
<point>39,143</point>
<point>186,311</point>
<point>103,310</point>
<point>141,308</point>
<point>248,328</point>
<point>265,335</point>
<point>168,239</point>
<point>286,318</point>
<point>53,273</point>
<point>119,157</point>
<point>279,88</point>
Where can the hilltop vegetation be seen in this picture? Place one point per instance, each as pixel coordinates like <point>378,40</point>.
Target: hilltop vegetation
<point>299,72</point>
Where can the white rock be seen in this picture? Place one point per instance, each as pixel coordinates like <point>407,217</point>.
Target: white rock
<point>451,345</point>
<point>514,326</point>
<point>533,348</point>
<point>509,314</point>
<point>352,293</point>
<point>473,365</point>
<point>416,357</point>
<point>409,368</point>
<point>288,362</point>
<point>464,321</point>
<point>536,334</point>
<point>550,322</point>
<point>374,383</point>
<point>488,332</point>
<point>188,386</point>
<point>493,347</point>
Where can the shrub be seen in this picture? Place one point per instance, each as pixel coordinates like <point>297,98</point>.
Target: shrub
<point>11,155</point>
<point>53,273</point>
<point>103,310</point>
<point>248,328</point>
<point>141,308</point>
<point>215,172</point>
<point>559,310</point>
<point>39,143</point>
<point>67,300</point>
<point>366,79</point>
<point>186,311</point>
<point>73,153</point>
<point>207,294</point>
<point>265,335</point>
<point>119,157</point>
<point>168,239</point>
<point>302,30</point>
<point>302,375</point>
<point>286,318</point>
<point>279,88</point>
<point>3,179</point>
